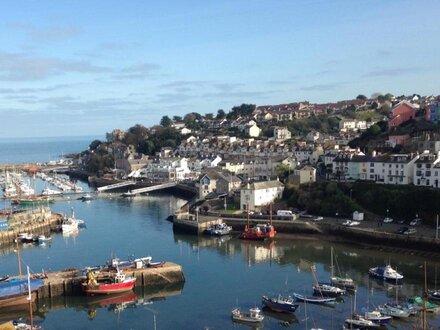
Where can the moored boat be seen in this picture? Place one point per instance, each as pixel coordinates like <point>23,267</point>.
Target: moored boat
<point>358,322</point>
<point>156,264</point>
<point>16,291</point>
<point>327,290</point>
<point>346,282</point>
<point>377,317</point>
<point>43,238</point>
<point>393,311</point>
<point>4,278</point>
<point>109,283</point>
<point>386,273</point>
<point>314,300</point>
<point>434,295</point>
<point>280,303</point>
<point>427,305</point>
<point>253,316</point>
<point>131,263</point>
<point>258,232</point>
<point>219,229</point>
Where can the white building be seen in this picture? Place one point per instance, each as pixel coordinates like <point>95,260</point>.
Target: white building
<point>255,195</point>
<point>281,133</point>
<point>427,170</point>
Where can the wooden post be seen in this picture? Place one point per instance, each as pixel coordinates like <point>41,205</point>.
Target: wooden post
<point>18,257</point>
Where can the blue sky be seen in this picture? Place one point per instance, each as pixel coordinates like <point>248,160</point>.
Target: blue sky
<point>78,67</point>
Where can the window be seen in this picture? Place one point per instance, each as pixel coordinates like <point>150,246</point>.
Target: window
<point>428,173</point>
<point>427,182</point>
<point>419,165</point>
<point>372,177</point>
<point>389,172</point>
<point>371,170</point>
<point>401,179</point>
<point>435,173</point>
<point>372,164</point>
<point>419,173</point>
<point>418,181</point>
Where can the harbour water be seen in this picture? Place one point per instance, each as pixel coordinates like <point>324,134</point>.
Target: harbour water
<point>220,273</point>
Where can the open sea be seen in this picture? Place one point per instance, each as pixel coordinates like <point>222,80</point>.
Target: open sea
<point>220,273</point>
<point>43,149</point>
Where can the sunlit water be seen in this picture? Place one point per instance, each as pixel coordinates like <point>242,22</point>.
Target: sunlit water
<point>220,273</point>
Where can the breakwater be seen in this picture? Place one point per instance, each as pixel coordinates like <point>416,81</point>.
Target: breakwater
<point>37,221</point>
<point>68,282</point>
<point>366,235</point>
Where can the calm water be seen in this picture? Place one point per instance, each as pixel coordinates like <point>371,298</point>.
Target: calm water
<point>26,150</point>
<point>220,272</point>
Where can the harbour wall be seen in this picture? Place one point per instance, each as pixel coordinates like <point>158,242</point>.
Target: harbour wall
<point>37,222</point>
<point>329,231</point>
<point>68,282</point>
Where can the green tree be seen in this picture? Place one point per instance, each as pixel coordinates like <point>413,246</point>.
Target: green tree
<point>94,144</point>
<point>361,97</point>
<point>166,121</point>
<point>177,118</point>
<point>220,114</point>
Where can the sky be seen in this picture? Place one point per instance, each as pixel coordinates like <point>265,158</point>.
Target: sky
<point>86,67</point>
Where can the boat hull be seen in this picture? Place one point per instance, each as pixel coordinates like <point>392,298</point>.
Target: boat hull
<point>19,299</point>
<point>277,306</point>
<point>106,289</point>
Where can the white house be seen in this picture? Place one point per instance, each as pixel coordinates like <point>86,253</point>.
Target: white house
<point>427,170</point>
<point>257,194</point>
<point>253,130</point>
<point>281,133</point>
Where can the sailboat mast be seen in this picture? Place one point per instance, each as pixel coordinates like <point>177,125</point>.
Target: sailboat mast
<point>270,213</point>
<point>331,261</point>
<point>424,300</point>
<point>247,215</point>
<point>18,258</point>
<point>30,299</point>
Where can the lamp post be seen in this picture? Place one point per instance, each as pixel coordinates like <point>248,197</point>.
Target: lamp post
<point>387,212</point>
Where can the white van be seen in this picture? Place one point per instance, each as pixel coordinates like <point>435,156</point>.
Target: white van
<point>285,213</point>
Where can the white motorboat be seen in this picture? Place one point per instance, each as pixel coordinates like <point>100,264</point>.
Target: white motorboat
<point>44,238</point>
<point>69,225</point>
<point>253,316</point>
<point>50,192</point>
<point>386,273</point>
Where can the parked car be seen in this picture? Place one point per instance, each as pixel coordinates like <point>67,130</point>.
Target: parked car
<point>387,220</point>
<point>410,231</point>
<point>318,218</point>
<point>415,222</point>
<point>402,230</point>
<point>350,223</point>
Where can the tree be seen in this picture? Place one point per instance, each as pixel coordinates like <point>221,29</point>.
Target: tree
<point>165,121</point>
<point>282,171</point>
<point>241,111</point>
<point>177,118</point>
<point>221,114</point>
<point>361,97</point>
<point>374,130</point>
<point>95,144</point>
<point>209,116</point>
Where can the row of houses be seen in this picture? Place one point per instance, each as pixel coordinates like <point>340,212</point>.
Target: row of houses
<point>400,169</point>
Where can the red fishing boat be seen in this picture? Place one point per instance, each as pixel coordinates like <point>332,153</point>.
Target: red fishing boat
<point>109,283</point>
<point>260,231</point>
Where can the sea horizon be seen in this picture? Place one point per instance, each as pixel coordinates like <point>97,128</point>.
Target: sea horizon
<point>41,149</point>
